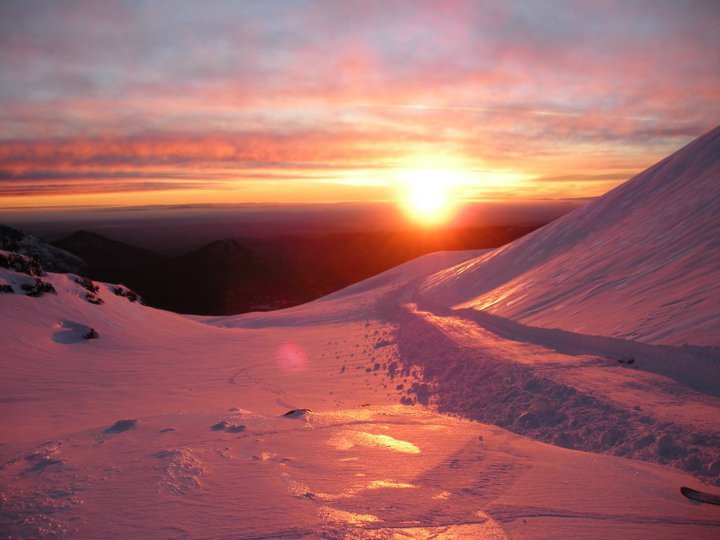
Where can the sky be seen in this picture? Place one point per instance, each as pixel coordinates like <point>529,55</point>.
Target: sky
<point>177,102</point>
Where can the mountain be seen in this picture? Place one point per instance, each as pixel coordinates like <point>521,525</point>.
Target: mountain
<point>642,262</point>
<point>53,258</point>
<point>108,259</point>
<point>217,278</point>
<point>234,275</point>
<point>378,411</point>
<point>221,277</point>
<point>307,267</point>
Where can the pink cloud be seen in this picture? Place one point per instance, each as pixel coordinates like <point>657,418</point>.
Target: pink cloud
<point>158,89</point>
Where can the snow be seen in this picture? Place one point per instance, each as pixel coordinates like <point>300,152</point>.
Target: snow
<point>641,263</point>
<point>394,408</point>
<point>118,437</point>
<point>53,258</point>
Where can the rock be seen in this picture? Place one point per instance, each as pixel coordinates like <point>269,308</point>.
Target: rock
<point>42,254</point>
<point>121,426</point>
<point>220,426</point>
<point>93,299</point>
<point>667,447</point>
<point>644,441</point>
<point>529,420</point>
<point>132,296</point>
<point>564,439</point>
<point>297,413</point>
<point>227,426</point>
<point>611,437</point>
<point>21,263</point>
<point>85,283</point>
<point>92,334</point>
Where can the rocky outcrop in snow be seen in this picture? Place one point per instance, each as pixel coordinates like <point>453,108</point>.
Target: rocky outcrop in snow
<point>52,258</point>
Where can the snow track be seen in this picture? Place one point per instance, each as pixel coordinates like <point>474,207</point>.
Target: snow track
<point>587,402</point>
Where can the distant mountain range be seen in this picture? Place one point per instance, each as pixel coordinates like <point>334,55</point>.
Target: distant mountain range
<point>237,275</point>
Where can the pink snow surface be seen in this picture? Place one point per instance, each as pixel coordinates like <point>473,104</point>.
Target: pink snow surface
<point>422,415</point>
<point>425,423</point>
<point>641,263</point>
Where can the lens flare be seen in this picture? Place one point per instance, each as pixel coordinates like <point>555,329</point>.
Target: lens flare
<point>291,357</point>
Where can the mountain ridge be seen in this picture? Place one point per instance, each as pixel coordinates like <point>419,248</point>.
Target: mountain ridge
<point>629,264</point>
<point>52,257</point>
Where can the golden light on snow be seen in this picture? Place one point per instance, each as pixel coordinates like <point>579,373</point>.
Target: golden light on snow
<point>350,439</point>
<point>357,489</point>
<point>342,516</point>
<point>387,484</point>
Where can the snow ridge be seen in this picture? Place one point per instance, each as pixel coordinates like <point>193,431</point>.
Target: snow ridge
<point>642,262</point>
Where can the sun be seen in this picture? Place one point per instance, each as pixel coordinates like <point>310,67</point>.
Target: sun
<point>427,202</point>
<point>427,196</point>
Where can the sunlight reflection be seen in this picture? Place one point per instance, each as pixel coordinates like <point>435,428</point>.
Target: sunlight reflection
<point>341,516</point>
<point>470,531</point>
<point>350,439</point>
<point>379,484</point>
<point>359,488</point>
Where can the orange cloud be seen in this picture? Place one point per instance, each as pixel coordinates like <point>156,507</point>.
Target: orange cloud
<point>229,99</point>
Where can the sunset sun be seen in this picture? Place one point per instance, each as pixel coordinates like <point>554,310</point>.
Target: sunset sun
<point>428,197</point>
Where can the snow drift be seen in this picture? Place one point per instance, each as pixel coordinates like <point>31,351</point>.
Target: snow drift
<point>641,263</point>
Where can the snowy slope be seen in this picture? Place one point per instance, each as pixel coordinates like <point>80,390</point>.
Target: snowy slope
<point>424,424</point>
<point>640,263</point>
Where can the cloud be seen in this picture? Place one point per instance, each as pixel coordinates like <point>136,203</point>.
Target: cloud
<point>176,90</point>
